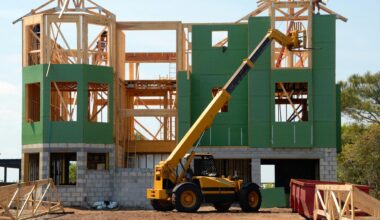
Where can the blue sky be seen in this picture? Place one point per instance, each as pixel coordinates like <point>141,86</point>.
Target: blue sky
<point>357,46</point>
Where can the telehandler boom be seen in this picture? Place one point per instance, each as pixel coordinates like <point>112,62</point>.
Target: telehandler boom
<point>186,191</point>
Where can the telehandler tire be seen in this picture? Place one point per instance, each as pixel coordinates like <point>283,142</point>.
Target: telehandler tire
<point>187,197</point>
<point>250,198</point>
<point>162,205</point>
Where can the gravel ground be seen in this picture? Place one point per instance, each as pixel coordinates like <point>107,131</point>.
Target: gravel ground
<point>204,213</point>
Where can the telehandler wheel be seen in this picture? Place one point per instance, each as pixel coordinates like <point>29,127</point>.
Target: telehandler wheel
<point>162,205</point>
<point>187,197</point>
<point>222,207</point>
<point>250,197</point>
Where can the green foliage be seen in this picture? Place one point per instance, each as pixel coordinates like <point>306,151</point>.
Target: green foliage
<point>360,98</point>
<point>139,137</point>
<point>72,172</point>
<point>268,186</point>
<point>359,161</point>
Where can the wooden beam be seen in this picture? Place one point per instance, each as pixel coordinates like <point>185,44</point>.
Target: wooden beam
<point>148,113</point>
<point>148,25</point>
<point>147,92</point>
<point>286,18</point>
<point>291,4</point>
<point>150,57</point>
<point>147,102</point>
<point>152,146</point>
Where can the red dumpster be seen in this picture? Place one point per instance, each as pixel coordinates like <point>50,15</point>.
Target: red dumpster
<point>302,195</point>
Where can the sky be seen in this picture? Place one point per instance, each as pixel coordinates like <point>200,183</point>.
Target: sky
<point>357,47</point>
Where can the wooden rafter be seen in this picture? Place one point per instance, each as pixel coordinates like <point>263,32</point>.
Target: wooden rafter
<point>77,6</point>
<point>264,5</point>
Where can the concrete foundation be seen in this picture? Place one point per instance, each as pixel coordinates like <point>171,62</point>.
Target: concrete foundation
<point>128,186</point>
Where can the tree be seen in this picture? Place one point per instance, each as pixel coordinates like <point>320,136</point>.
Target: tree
<point>359,162</point>
<point>360,98</point>
<point>72,172</point>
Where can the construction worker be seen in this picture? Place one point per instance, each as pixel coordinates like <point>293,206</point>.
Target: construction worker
<point>316,5</point>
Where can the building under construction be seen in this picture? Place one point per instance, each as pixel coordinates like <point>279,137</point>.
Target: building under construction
<point>94,125</point>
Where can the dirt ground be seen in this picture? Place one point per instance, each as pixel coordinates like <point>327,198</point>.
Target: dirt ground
<point>203,214</point>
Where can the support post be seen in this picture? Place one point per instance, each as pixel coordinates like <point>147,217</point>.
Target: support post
<point>5,174</point>
<point>256,170</point>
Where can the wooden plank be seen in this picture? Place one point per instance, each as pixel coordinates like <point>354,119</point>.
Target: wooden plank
<point>366,203</point>
<point>150,57</point>
<point>65,5</point>
<point>120,56</point>
<point>334,187</point>
<point>179,47</point>
<point>152,146</point>
<point>148,112</point>
<point>147,102</point>
<point>291,4</point>
<point>148,25</point>
<point>299,18</point>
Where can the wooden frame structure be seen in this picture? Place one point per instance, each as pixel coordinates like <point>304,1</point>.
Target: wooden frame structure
<point>98,102</point>
<point>63,101</point>
<point>29,199</point>
<point>153,98</point>
<point>295,95</point>
<point>296,15</point>
<point>44,41</point>
<point>288,15</point>
<point>343,202</point>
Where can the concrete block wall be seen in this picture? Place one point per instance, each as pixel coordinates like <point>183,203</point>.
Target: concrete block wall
<point>91,185</point>
<point>326,157</point>
<point>328,165</point>
<point>98,186</point>
<point>75,195</point>
<point>130,187</point>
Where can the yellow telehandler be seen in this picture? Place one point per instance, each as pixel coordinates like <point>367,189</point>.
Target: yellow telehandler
<point>186,191</point>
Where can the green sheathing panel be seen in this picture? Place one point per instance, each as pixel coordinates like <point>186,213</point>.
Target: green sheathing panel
<point>273,198</point>
<point>32,132</point>
<point>263,130</point>
<point>259,87</point>
<point>80,131</point>
<point>183,104</point>
<point>251,116</point>
<point>292,134</point>
<point>325,116</point>
<point>212,67</point>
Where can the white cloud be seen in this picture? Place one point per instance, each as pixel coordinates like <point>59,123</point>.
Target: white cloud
<point>9,89</point>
